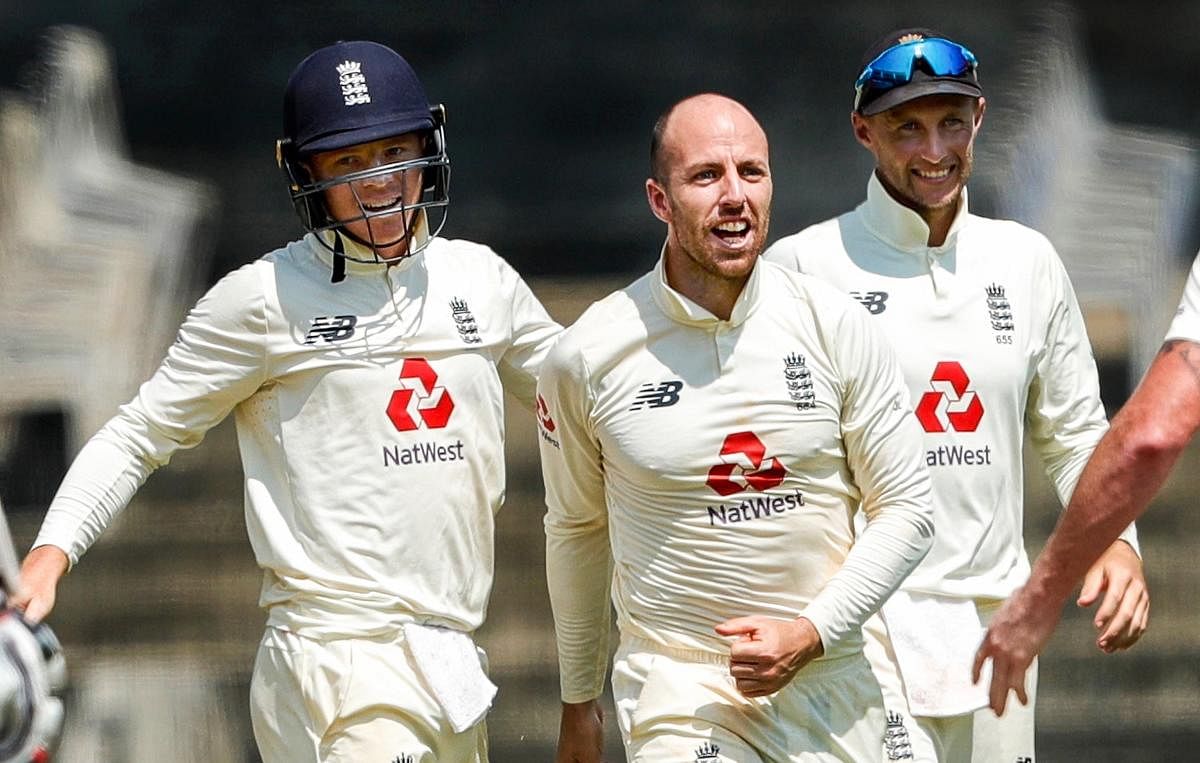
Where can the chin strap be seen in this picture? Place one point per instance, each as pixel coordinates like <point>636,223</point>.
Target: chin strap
<point>339,260</point>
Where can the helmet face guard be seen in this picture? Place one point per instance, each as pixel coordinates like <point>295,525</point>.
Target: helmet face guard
<point>309,196</point>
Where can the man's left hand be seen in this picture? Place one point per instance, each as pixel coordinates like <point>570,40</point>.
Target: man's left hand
<point>1124,611</point>
<point>769,652</point>
<point>1015,636</point>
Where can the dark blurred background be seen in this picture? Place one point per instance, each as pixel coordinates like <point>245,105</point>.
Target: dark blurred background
<point>550,107</point>
<point>551,103</point>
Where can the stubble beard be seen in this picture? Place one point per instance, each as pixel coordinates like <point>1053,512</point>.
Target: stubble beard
<point>965,165</point>
<point>715,262</point>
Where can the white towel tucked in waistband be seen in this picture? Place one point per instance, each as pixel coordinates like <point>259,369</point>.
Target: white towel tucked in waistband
<point>935,639</point>
<point>450,664</point>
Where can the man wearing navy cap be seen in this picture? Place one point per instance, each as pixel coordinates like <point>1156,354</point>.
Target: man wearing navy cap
<point>366,365</point>
<point>992,345</point>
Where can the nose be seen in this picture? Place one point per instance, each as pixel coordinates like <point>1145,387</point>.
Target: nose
<point>934,149</point>
<point>733,189</point>
<point>380,180</point>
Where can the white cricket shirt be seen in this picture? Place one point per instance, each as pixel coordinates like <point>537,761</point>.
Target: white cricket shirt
<point>1186,324</point>
<point>710,469</point>
<point>991,341</point>
<point>370,422</point>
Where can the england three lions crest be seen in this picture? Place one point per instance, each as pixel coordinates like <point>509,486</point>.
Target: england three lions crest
<point>799,382</point>
<point>999,309</point>
<point>464,322</point>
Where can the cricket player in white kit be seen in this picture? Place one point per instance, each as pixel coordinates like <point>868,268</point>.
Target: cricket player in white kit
<point>707,434</point>
<point>1128,468</point>
<point>992,346</point>
<point>365,365</point>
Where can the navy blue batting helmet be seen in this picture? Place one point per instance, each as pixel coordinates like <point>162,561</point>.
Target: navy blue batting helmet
<point>351,93</point>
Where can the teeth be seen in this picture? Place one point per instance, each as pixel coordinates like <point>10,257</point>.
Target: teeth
<point>385,205</point>
<point>935,175</point>
<point>734,227</point>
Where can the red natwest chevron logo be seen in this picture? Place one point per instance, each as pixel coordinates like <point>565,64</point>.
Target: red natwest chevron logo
<point>543,414</point>
<point>949,405</point>
<point>742,458</point>
<point>419,402</point>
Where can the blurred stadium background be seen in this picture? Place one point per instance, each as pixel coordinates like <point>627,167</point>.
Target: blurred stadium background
<point>136,167</point>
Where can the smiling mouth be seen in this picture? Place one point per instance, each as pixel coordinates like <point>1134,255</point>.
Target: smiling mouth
<point>732,230</point>
<point>933,175</point>
<point>383,206</point>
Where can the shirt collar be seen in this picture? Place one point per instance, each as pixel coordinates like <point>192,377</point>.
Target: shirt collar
<point>900,226</point>
<point>683,310</point>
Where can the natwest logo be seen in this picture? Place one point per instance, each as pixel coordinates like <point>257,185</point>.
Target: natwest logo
<point>949,405</point>
<point>546,423</point>
<point>543,414</point>
<point>419,403</point>
<point>744,465</point>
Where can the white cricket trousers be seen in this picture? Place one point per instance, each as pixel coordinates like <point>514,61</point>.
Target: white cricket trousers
<point>350,701</point>
<point>682,705</point>
<point>978,737</point>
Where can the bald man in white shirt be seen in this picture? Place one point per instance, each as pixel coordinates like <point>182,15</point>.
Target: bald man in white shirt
<point>707,434</point>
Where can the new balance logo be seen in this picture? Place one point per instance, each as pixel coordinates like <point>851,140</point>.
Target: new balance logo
<point>331,329</point>
<point>657,395</point>
<point>874,301</point>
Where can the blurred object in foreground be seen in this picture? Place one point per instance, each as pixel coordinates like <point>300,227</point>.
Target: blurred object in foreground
<point>1117,201</point>
<point>98,261</point>
<point>144,708</point>
<point>32,673</point>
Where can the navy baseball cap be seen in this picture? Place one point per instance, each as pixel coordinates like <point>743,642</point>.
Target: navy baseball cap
<point>912,63</point>
<point>352,92</point>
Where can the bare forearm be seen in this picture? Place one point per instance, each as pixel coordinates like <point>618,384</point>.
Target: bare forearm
<point>1127,469</point>
<point>1115,489</point>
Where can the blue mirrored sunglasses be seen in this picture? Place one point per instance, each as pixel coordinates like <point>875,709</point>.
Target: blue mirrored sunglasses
<point>895,66</point>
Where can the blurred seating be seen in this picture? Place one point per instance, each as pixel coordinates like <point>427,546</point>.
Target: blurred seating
<point>1117,200</point>
<point>100,256</point>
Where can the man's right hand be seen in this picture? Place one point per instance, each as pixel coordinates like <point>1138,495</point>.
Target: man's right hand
<point>40,574</point>
<point>581,733</point>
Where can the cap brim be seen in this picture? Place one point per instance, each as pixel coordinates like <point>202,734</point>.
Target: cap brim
<point>914,90</point>
<point>354,136</point>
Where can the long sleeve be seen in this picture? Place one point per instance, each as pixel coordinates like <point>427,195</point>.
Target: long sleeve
<point>1064,413</point>
<point>533,333</point>
<point>578,554</point>
<point>216,362</point>
<point>883,449</point>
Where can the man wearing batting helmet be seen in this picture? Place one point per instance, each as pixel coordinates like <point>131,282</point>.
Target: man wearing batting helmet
<point>992,346</point>
<point>365,365</point>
